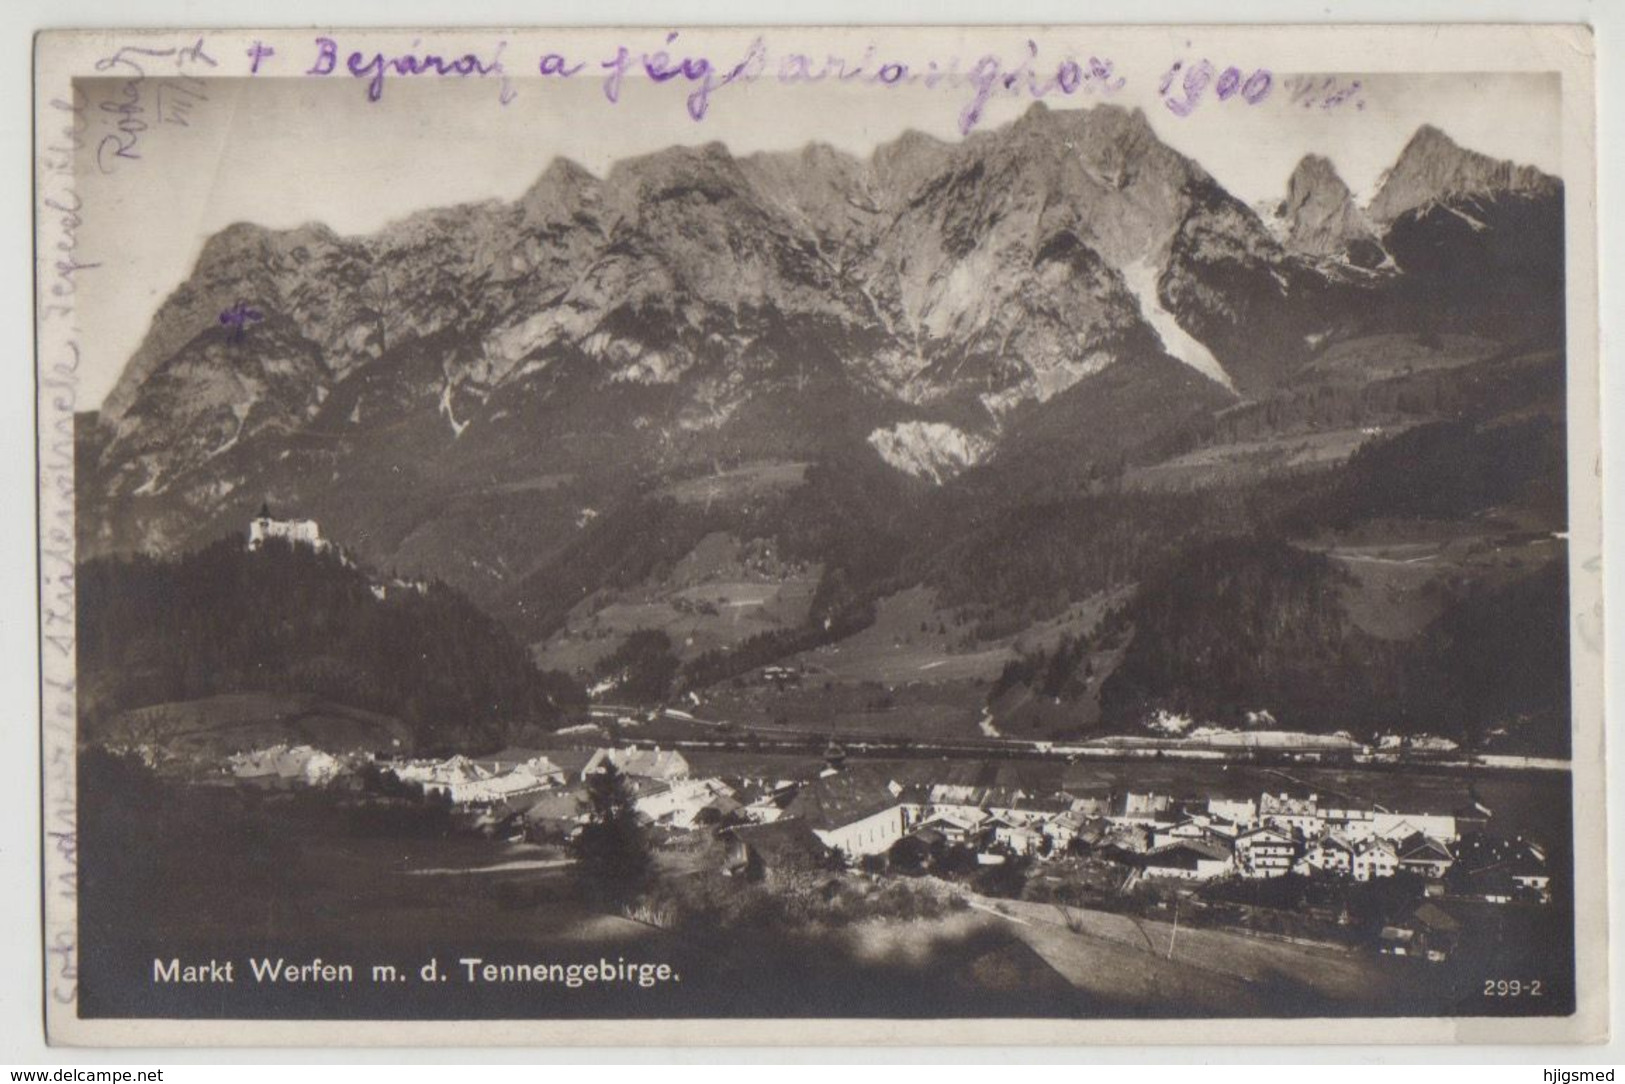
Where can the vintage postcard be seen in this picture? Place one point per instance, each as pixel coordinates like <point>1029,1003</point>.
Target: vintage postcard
<point>820,535</point>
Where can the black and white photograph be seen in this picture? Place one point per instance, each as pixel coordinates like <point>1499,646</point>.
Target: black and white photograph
<point>1061,526</point>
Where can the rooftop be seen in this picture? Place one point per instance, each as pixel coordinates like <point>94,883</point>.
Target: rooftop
<point>788,839</point>
<point>841,799</point>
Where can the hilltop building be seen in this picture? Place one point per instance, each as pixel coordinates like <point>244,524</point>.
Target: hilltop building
<point>297,532</point>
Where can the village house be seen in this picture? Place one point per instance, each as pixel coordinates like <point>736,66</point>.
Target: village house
<point>1300,815</point>
<point>769,807</point>
<point>1163,835</point>
<point>1499,870</point>
<point>1188,860</point>
<point>771,852</point>
<point>1242,812</point>
<point>284,766</point>
<point>1529,874</point>
<point>1147,809</point>
<point>1018,837</point>
<point>722,811</point>
<point>854,814</point>
<point>557,813</point>
<point>656,763</point>
<point>1430,932</point>
<point>1034,811</point>
<point>1397,826</point>
<point>1065,827</point>
<point>535,762</point>
<point>1424,856</point>
<point>679,804</point>
<point>956,829</point>
<point>1266,851</point>
<point>1222,828</point>
<point>973,801</point>
<point>452,777</point>
<point>1097,806</point>
<point>1331,853</point>
<point>1489,885</point>
<point>1374,858</point>
<point>1351,822</point>
<point>510,790</point>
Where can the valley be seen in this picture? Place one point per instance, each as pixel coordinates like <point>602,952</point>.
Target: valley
<point>1054,441</point>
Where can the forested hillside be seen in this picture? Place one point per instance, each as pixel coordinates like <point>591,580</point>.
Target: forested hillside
<point>1242,625</point>
<point>287,619</point>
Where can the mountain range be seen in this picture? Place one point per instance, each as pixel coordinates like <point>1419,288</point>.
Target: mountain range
<point>905,342</point>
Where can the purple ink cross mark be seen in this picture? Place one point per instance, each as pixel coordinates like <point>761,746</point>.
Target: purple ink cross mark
<point>238,317</point>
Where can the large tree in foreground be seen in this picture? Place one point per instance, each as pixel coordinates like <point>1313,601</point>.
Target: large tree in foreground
<point>612,851</point>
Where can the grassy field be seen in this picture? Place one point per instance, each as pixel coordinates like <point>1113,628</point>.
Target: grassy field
<point>1381,356</point>
<point>740,483</point>
<point>217,726</point>
<point>1219,464</point>
<point>1404,574</point>
<point>915,672</point>
<point>911,640</point>
<point>722,592</point>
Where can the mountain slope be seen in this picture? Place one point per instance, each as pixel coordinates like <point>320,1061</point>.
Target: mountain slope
<point>504,394</point>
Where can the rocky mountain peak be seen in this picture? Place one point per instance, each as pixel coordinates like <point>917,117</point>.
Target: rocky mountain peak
<point>674,165</point>
<point>1098,133</point>
<point>232,244</point>
<point>1433,166</point>
<point>1314,176</point>
<point>1319,214</point>
<point>900,166</point>
<point>562,191</point>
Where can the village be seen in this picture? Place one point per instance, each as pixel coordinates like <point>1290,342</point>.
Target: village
<point>982,821</point>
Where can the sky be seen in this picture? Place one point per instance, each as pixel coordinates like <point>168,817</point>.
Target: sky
<point>283,152</point>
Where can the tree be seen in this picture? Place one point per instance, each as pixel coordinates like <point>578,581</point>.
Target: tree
<point>612,850</point>
<point>909,856</point>
<point>643,666</point>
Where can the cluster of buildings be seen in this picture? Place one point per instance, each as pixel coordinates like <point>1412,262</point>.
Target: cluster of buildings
<point>546,793</point>
<point>1277,834</point>
<point>987,809</point>
<point>286,765</point>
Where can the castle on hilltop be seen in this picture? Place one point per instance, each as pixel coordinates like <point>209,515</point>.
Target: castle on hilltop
<point>298,532</point>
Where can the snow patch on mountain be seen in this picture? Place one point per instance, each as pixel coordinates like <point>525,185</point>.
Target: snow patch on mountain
<point>457,427</point>
<point>1141,278</point>
<point>932,450</point>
